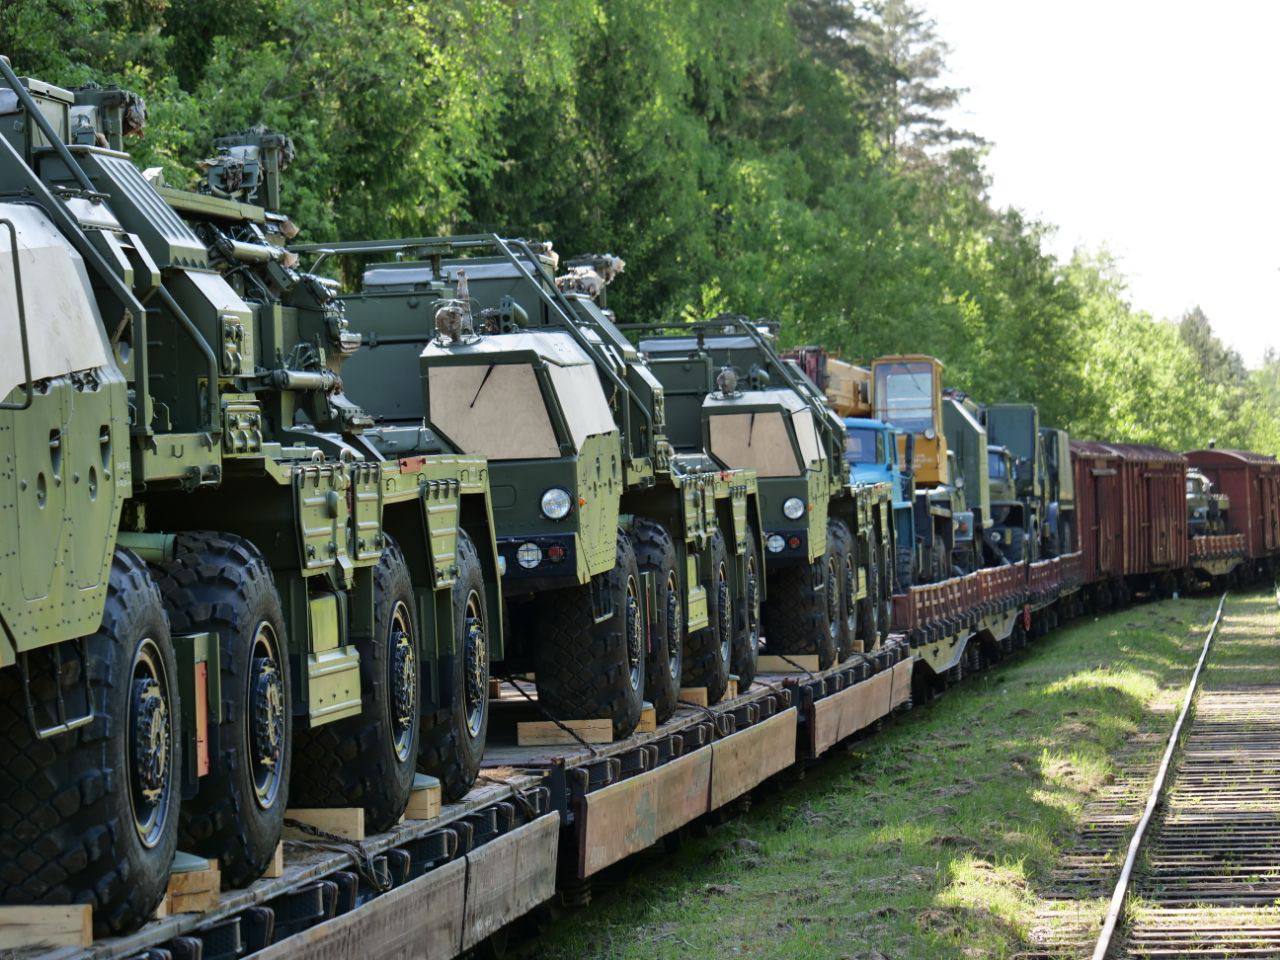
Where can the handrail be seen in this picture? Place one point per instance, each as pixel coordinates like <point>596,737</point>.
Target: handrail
<point>28,385</point>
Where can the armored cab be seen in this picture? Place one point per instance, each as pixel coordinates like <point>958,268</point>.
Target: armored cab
<point>206,568</point>
<point>829,544</point>
<point>631,571</point>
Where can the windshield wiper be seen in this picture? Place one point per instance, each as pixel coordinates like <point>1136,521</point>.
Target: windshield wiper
<point>483,381</point>
<point>751,428</point>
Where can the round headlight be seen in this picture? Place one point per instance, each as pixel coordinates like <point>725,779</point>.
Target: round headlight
<point>775,543</point>
<point>930,433</point>
<point>556,503</point>
<point>529,555</point>
<point>793,508</point>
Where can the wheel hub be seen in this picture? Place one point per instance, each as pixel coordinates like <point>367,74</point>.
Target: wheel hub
<point>151,739</point>
<point>267,703</point>
<point>635,635</point>
<point>674,621</point>
<point>404,688</point>
<point>724,615</point>
<point>474,665</point>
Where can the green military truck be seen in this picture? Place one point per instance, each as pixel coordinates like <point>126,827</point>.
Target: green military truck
<point>224,599</point>
<point>829,545</point>
<point>631,571</point>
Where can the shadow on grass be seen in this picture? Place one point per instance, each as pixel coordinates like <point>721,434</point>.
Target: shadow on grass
<point>929,839</point>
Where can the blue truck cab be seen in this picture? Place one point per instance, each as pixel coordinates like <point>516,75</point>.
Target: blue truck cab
<point>876,453</point>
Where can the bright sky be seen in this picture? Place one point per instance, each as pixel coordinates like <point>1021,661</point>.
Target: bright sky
<point>1152,128</point>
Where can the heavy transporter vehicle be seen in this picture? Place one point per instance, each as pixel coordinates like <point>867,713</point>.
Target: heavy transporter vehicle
<point>829,544</point>
<point>218,598</point>
<point>632,568</point>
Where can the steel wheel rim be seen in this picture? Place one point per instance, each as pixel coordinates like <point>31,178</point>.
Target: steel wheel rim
<point>403,667</point>
<point>675,623</point>
<point>850,588</point>
<point>833,599</point>
<point>634,627</point>
<point>265,727</point>
<point>150,747</point>
<point>475,664</point>
<point>724,615</point>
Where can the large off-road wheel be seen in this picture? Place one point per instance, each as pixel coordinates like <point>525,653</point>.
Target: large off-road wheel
<point>220,583</point>
<point>709,653</point>
<point>796,614</point>
<point>586,669</point>
<point>92,815</point>
<point>369,760</point>
<point>453,739</point>
<point>871,611</point>
<point>664,663</point>
<point>746,634</point>
<point>846,574</point>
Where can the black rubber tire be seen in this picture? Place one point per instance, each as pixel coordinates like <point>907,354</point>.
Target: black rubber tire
<point>67,831</point>
<point>840,554</point>
<point>795,621</point>
<point>746,634</point>
<point>452,746</point>
<point>872,612</point>
<point>664,659</point>
<point>584,669</point>
<point>354,762</point>
<point>850,629</point>
<point>220,583</point>
<point>709,654</point>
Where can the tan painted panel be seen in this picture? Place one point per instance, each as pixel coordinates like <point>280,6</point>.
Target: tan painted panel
<point>758,440</point>
<point>853,708</point>
<point>745,759</point>
<point>901,692</point>
<point>502,417</point>
<point>509,876</point>
<point>421,919</point>
<point>629,816</point>
<point>64,333</point>
<point>586,409</point>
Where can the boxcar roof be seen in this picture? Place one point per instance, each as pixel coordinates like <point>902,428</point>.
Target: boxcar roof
<point>1219,455</point>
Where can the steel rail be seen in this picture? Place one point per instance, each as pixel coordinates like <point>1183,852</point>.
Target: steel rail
<point>1121,892</point>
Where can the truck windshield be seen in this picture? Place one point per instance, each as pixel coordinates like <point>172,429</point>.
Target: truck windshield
<point>493,409</point>
<point>996,466</point>
<point>758,440</point>
<point>904,395</point>
<point>863,445</point>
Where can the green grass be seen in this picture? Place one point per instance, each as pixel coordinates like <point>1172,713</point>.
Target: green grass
<point>930,839</point>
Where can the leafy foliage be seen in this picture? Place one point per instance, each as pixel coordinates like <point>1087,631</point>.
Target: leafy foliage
<point>781,158</point>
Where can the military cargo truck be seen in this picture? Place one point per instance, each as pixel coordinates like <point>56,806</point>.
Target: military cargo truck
<point>1206,507</point>
<point>631,571</point>
<point>829,544</point>
<point>213,562</point>
<point>1060,513</point>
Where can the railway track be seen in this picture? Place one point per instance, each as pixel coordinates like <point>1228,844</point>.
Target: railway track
<point>1202,873</point>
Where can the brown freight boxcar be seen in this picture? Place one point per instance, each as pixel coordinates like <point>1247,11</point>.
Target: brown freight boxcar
<point>1252,482</point>
<point>1097,481</point>
<point>1153,485</point>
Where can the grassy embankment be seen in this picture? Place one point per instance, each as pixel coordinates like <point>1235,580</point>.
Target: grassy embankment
<point>931,839</point>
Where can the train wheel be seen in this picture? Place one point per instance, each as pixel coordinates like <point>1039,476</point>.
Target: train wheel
<point>656,554</point>
<point>746,635</point>
<point>452,741</point>
<point>369,760</point>
<point>587,669</point>
<point>709,651</point>
<point>220,583</point>
<point>92,815</point>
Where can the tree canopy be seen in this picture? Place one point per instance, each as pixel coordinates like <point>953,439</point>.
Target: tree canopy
<point>788,159</point>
